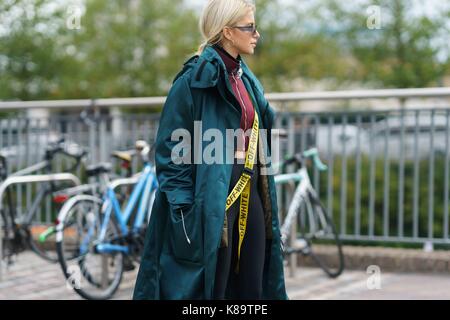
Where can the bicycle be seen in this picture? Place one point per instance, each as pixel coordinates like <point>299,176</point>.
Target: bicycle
<point>105,239</point>
<point>21,233</point>
<point>306,211</point>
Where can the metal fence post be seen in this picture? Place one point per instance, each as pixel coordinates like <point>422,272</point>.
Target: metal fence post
<point>1,252</point>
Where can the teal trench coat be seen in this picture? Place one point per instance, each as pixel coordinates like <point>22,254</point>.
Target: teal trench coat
<point>171,267</point>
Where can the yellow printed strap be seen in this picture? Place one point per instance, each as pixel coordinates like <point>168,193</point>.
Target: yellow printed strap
<point>248,168</point>
<point>243,214</point>
<point>242,187</point>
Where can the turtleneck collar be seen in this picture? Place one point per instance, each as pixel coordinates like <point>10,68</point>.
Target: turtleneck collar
<point>231,63</point>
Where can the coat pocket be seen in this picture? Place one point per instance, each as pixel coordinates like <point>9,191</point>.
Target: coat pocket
<point>186,239</point>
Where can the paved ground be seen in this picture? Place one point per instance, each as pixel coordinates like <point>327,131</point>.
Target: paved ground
<point>32,278</point>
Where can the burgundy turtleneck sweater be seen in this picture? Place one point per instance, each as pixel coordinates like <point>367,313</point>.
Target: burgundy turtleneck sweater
<point>239,90</point>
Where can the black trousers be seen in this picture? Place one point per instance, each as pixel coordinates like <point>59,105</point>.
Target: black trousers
<point>248,280</point>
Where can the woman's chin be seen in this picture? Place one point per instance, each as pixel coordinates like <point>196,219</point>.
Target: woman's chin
<point>249,51</point>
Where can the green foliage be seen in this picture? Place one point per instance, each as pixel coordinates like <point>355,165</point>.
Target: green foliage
<point>288,50</point>
<point>123,49</point>
<point>128,48</point>
<point>406,51</point>
<point>132,50</point>
<point>30,65</point>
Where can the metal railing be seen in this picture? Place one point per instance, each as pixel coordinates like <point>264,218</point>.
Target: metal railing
<point>389,169</point>
<point>388,177</point>
<point>154,102</point>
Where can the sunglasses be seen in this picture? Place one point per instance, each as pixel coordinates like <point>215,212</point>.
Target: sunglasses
<point>251,28</point>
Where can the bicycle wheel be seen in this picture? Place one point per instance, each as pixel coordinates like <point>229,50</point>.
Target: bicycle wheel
<point>137,235</point>
<point>91,274</point>
<point>40,225</point>
<point>318,237</point>
<point>42,241</point>
<point>6,239</point>
<point>14,239</point>
<point>42,217</point>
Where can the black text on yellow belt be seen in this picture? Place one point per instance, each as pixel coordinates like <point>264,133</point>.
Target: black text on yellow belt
<point>242,187</point>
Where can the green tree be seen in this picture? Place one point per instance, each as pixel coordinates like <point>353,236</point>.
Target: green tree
<point>135,47</point>
<point>31,66</point>
<point>289,49</point>
<point>131,48</point>
<point>405,52</point>
<point>123,48</point>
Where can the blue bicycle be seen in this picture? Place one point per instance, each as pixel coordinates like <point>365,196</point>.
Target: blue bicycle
<point>96,240</point>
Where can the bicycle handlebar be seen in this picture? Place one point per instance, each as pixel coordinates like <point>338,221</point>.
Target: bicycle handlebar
<point>60,147</point>
<point>144,149</point>
<point>310,153</point>
<point>314,153</point>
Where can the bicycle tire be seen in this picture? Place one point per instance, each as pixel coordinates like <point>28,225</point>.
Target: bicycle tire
<point>89,286</point>
<point>45,249</point>
<point>43,242</point>
<point>332,260</point>
<point>4,224</point>
<point>137,237</point>
<point>49,254</point>
<point>14,241</point>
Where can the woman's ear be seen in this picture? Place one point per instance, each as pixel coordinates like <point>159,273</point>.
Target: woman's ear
<point>227,33</point>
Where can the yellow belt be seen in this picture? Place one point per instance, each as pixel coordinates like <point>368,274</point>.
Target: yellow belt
<point>242,187</point>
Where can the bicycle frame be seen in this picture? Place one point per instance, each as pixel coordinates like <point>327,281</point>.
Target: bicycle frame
<point>37,178</point>
<point>302,190</point>
<point>39,196</point>
<point>26,176</point>
<point>14,179</point>
<point>142,191</point>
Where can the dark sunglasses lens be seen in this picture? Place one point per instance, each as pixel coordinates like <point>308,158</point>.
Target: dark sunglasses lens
<point>251,29</point>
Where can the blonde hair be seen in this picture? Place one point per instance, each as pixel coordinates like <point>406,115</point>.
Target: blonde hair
<point>218,14</point>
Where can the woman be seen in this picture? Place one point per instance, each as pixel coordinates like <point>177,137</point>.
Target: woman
<point>208,239</point>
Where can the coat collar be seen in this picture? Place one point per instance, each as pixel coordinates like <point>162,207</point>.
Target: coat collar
<point>209,67</point>
<point>208,70</point>
<point>232,64</point>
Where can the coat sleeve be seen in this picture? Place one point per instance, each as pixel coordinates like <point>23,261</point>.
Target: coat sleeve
<point>175,179</point>
<point>267,112</point>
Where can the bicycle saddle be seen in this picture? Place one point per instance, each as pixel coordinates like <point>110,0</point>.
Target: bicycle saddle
<point>123,155</point>
<point>96,169</point>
